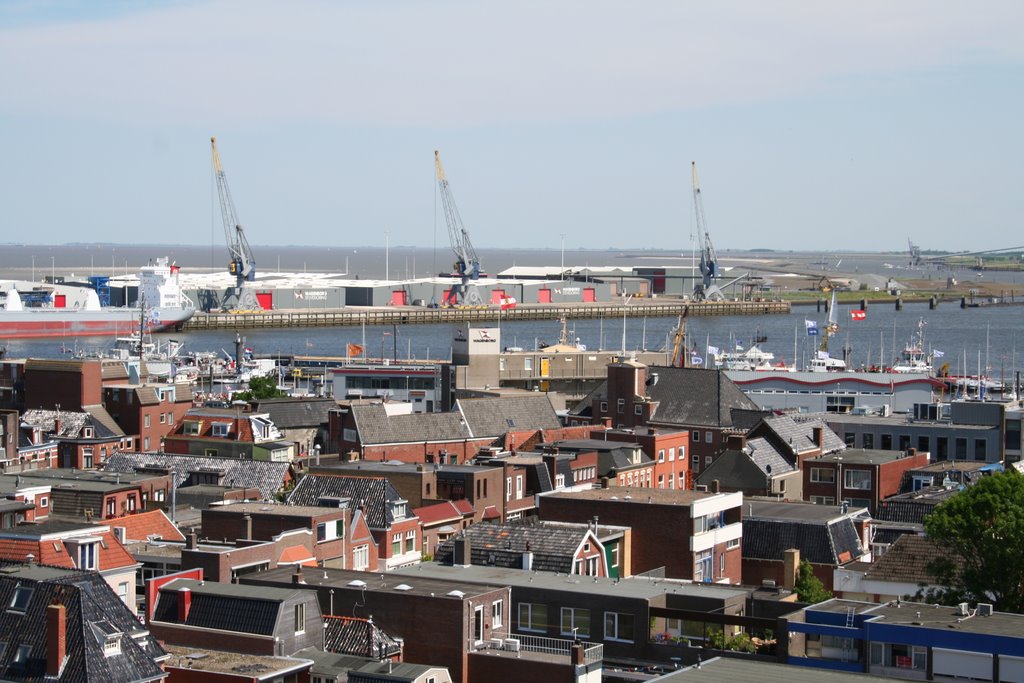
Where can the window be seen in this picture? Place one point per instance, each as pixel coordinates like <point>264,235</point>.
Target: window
<point>850,439</point>
<point>732,543</point>
<point>533,617</point>
<point>163,418</point>
<point>923,444</point>
<point>703,567</point>
<point>300,618</point>
<point>508,488</point>
<point>122,592</point>
<point>21,656</point>
<point>604,407</point>
<point>593,565</point>
<point>867,440</point>
<point>620,405</point>
<point>941,447</point>
<point>886,442</point>
<point>575,622</point>
<point>980,449</point>
<point>707,437</point>
<point>823,475</point>
<point>220,429</point>
<point>87,460</point>
<point>857,479</point>
<point>519,486</point>
<point>661,455</point>
<point>22,596</point>
<point>638,409</point>
<point>904,441</point>
<point>410,541</point>
<point>528,364</point>
<point>361,557</point>
<point>112,645</point>
<point>823,500</point>
<point>396,544</point>
<point>618,626</point>
<point>131,502</point>
<point>44,502</point>
<point>497,612</point>
<point>695,437</point>
<point>671,454</point>
<point>111,507</point>
<point>696,462</point>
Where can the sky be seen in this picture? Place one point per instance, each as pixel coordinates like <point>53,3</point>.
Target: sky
<point>814,125</point>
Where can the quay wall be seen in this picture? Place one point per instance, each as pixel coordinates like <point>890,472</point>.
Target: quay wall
<point>410,315</point>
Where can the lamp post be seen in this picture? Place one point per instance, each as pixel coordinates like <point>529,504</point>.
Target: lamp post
<point>625,302</point>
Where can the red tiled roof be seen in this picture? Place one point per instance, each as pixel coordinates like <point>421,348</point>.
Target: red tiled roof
<point>463,506</point>
<point>438,513</point>
<point>142,526</point>
<point>491,512</point>
<point>52,552</point>
<point>296,554</point>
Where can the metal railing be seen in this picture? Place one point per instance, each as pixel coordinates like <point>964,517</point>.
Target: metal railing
<point>557,647</point>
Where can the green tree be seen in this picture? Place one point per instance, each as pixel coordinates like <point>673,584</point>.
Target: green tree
<point>982,530</point>
<point>809,587</point>
<point>260,388</point>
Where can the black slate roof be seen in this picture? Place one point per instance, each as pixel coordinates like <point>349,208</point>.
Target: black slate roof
<point>376,494</point>
<point>912,508</point>
<point>293,413</point>
<point>503,545</point>
<point>797,434</point>
<point>359,637</point>
<point>93,611</point>
<point>268,477</point>
<point>833,543</point>
<point>499,415</point>
<point>735,471</point>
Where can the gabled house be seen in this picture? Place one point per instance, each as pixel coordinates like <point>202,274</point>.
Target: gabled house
<point>441,521</point>
<point>898,574</point>
<point>778,535</point>
<point>563,548</point>
<point>229,433</point>
<point>301,421</point>
<point>26,447</point>
<point>148,412</point>
<point>153,525</point>
<point>241,618</point>
<point>622,463</point>
<point>95,494</point>
<point>74,546</point>
<point>395,530</point>
<point>65,625</point>
<point>85,438</point>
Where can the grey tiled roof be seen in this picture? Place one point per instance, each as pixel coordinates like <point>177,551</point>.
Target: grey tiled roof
<point>765,456</point>
<point>497,416</point>
<point>696,397</point>
<point>832,543</point>
<point>907,560</point>
<point>503,545</point>
<point>735,471</point>
<point>375,494</point>
<point>92,609</point>
<point>359,637</point>
<point>223,606</point>
<point>798,433</point>
<point>292,413</point>
<point>268,477</point>
<point>72,423</point>
<point>375,426</point>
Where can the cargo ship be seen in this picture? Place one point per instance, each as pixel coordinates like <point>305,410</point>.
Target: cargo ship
<point>163,306</point>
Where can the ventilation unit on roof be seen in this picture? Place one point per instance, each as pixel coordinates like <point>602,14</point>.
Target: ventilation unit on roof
<point>985,609</point>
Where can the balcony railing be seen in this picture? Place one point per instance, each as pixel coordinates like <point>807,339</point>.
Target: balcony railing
<point>556,647</point>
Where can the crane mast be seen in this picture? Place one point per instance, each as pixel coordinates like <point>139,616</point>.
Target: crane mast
<point>707,289</point>
<point>467,263</point>
<point>242,264</point>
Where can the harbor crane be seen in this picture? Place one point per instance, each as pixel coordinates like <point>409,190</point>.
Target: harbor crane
<point>708,289</point>
<point>242,264</point>
<point>467,263</point>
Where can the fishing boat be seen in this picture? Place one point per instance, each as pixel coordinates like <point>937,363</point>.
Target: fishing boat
<point>823,360</point>
<point>753,358</point>
<point>166,308</point>
<point>914,358</point>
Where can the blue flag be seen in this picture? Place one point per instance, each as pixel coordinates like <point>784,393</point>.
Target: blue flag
<point>812,327</point>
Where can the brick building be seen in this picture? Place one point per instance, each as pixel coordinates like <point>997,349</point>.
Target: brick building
<point>228,433</point>
<point>862,477</point>
<point>147,412</point>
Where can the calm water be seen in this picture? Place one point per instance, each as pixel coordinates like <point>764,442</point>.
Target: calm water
<point>993,333</point>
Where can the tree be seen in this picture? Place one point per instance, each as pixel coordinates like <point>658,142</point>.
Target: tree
<point>982,530</point>
<point>260,388</point>
<point>809,587</point>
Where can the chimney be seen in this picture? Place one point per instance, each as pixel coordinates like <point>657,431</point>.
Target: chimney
<point>462,555</point>
<point>191,541</point>
<point>816,433</point>
<point>578,654</point>
<point>247,525</point>
<point>911,452</point>
<point>790,567</point>
<point>184,604</point>
<point>56,639</point>
<point>606,422</point>
<point>604,482</point>
<point>527,560</point>
<point>297,576</point>
<point>716,486</point>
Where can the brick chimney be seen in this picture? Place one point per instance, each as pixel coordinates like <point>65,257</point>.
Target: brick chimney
<point>462,553</point>
<point>736,442</point>
<point>184,604</point>
<point>56,639</point>
<point>816,436</point>
<point>247,526</point>
<point>191,541</point>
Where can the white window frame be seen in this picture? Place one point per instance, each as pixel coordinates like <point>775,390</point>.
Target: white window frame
<point>531,607</point>
<point>497,613</point>
<point>818,478</point>
<point>571,612</point>
<point>864,477</point>
<point>614,617</point>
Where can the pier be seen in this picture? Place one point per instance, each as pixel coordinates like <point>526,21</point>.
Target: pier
<point>413,315</point>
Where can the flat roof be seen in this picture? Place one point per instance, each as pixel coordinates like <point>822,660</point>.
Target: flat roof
<point>234,590</point>
<point>721,669</point>
<point>893,420</point>
<point>438,587</point>
<point>398,466</point>
<point>275,509</point>
<point>861,456</point>
<point>796,511</point>
<point>238,663</point>
<point>638,495</point>
<point>917,614</point>
<point>633,587</point>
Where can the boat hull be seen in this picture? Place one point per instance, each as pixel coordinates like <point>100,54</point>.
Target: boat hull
<point>43,323</point>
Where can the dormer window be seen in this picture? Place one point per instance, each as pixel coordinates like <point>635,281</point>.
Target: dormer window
<point>221,429</point>
<point>86,552</point>
<point>22,596</point>
<point>87,432</point>
<point>108,636</point>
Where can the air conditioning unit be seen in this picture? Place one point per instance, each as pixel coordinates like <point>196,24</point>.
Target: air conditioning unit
<point>512,644</point>
<point>985,609</point>
<point>963,610</point>
<point>768,583</point>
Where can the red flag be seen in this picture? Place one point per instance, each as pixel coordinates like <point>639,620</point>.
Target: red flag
<point>507,302</point>
<point>858,315</point>
<point>354,350</point>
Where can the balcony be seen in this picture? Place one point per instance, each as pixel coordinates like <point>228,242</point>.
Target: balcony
<point>539,648</point>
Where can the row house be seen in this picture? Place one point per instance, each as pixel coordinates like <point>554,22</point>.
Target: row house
<point>395,530</point>
<point>667,449</point>
<point>302,421</point>
<point>228,433</point>
<point>31,496</point>
<point>24,446</point>
<point>268,478</point>
<point>691,534</point>
<point>91,494</point>
<point>562,548</point>
<point>442,520</point>
<point>622,463</point>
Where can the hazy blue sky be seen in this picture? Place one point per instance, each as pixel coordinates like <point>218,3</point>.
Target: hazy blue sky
<point>814,125</point>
